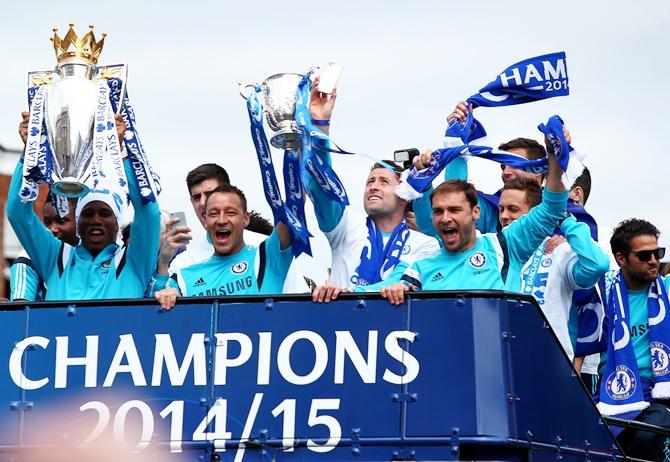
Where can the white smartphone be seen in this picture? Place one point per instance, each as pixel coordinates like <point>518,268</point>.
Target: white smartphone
<point>329,77</point>
<point>179,215</point>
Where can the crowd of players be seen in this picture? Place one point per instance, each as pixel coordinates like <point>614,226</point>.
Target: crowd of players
<point>520,239</point>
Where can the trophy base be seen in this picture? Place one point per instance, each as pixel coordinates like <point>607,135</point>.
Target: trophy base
<point>286,138</point>
<point>69,188</point>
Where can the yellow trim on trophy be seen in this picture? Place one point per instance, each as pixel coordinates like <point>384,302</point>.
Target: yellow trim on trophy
<point>73,46</point>
<point>107,73</point>
<point>41,79</point>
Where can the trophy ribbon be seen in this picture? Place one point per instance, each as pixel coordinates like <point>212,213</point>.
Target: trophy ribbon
<point>312,164</point>
<point>37,146</point>
<point>280,211</point>
<point>147,179</point>
<point>106,148</point>
<point>293,186</point>
<point>34,158</point>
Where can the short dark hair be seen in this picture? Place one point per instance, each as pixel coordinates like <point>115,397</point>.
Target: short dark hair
<point>529,186</point>
<point>228,188</point>
<point>206,172</point>
<point>259,224</point>
<point>452,186</point>
<point>627,230</point>
<point>397,169</point>
<point>584,182</point>
<point>534,149</point>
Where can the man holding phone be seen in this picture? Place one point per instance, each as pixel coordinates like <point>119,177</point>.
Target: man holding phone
<point>234,268</point>
<point>200,182</point>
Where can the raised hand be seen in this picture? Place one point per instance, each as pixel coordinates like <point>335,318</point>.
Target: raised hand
<point>460,112</point>
<point>321,104</point>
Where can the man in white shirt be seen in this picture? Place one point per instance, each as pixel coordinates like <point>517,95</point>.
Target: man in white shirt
<point>369,248</point>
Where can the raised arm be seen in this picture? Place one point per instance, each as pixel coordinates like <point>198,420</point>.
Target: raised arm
<point>592,262</point>
<point>328,212</point>
<point>526,233</point>
<point>144,232</point>
<point>42,246</point>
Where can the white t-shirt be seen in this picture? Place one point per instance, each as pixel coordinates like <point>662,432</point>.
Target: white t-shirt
<point>349,237</point>
<point>201,249</point>
<point>554,291</point>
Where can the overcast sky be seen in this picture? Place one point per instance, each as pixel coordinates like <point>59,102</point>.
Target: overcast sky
<point>406,64</point>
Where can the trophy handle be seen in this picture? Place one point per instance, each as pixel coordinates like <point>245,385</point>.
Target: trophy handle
<point>243,86</point>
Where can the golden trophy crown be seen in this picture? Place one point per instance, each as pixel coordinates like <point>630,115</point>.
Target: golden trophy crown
<point>73,46</point>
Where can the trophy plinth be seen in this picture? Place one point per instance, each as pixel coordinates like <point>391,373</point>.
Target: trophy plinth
<point>287,137</point>
<point>70,188</point>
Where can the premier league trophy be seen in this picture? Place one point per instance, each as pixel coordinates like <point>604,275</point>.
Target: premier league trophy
<point>278,97</point>
<point>65,105</point>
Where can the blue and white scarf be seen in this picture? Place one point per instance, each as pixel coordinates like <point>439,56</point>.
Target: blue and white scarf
<point>378,260</point>
<point>621,385</point>
<point>530,80</point>
<point>588,302</point>
<point>460,141</point>
<point>571,161</point>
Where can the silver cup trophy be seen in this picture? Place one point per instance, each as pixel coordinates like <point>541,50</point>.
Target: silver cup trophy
<point>278,96</point>
<point>71,105</point>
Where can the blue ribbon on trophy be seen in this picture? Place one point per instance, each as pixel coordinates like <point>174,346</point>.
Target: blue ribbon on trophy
<point>147,179</point>
<point>530,80</point>
<point>312,164</point>
<point>293,185</point>
<point>280,210</point>
<point>107,164</point>
<point>37,145</point>
<point>34,158</point>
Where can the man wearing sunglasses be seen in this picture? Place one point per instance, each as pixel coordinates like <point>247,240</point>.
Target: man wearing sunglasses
<point>635,371</point>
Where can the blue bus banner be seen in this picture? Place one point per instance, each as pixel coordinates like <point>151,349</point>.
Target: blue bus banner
<point>443,376</point>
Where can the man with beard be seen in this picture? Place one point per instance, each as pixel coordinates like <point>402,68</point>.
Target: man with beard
<point>635,380</point>
<point>490,261</point>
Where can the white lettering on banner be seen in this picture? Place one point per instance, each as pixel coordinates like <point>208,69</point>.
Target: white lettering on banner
<point>516,76</point>
<point>411,364</point>
<point>16,358</point>
<point>126,359</point>
<point>320,360</point>
<point>216,420</point>
<point>221,359</point>
<point>164,354</point>
<point>90,361</point>
<point>264,346</point>
<point>127,350</point>
<point>147,422</point>
<point>557,73</point>
<point>346,345</point>
<point>531,72</point>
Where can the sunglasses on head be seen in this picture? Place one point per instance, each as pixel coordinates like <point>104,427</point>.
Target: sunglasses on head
<point>645,255</point>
